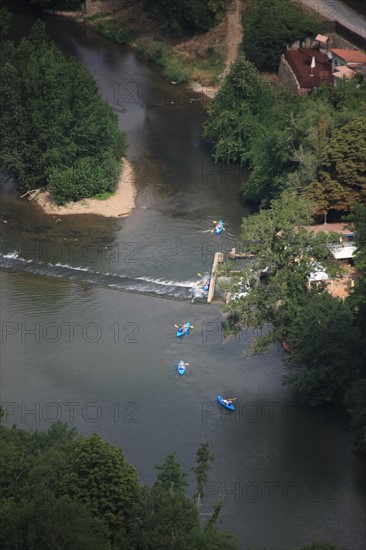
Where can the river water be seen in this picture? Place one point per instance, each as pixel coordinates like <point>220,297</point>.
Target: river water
<point>88,313</point>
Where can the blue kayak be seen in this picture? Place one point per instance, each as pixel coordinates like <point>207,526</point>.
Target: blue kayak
<point>181,368</point>
<point>230,407</point>
<point>219,227</point>
<point>185,330</point>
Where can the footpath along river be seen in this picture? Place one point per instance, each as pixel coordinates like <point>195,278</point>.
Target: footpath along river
<point>88,312</point>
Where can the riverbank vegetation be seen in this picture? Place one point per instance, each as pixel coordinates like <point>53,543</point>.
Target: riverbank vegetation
<point>176,66</point>
<point>176,18</point>
<point>307,160</point>
<point>60,490</point>
<point>187,39</point>
<point>57,131</point>
<point>314,144</point>
<point>326,336</point>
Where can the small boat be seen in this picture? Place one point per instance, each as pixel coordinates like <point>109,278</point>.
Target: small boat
<point>181,368</point>
<point>185,330</point>
<point>229,405</point>
<point>219,227</point>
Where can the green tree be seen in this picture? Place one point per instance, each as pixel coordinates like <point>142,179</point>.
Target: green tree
<point>203,459</point>
<point>271,25</point>
<point>176,17</point>
<point>355,403</point>
<point>357,298</point>
<point>61,491</point>
<point>343,168</point>
<point>32,461</point>
<point>99,477</point>
<point>57,130</point>
<point>169,519</point>
<point>278,240</point>
<point>5,18</point>
<point>326,353</point>
<point>238,108</point>
<point>45,522</point>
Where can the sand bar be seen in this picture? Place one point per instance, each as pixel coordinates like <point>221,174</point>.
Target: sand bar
<point>120,204</point>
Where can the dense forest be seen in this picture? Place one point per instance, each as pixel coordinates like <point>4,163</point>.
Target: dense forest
<point>56,129</point>
<point>177,17</point>
<point>65,5</point>
<point>62,491</point>
<point>67,492</point>
<point>314,144</point>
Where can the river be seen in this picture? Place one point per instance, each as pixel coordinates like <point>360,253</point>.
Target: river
<point>88,312</point>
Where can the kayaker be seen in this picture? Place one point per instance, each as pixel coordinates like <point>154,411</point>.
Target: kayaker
<point>182,328</point>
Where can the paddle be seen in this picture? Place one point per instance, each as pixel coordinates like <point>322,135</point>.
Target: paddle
<point>191,326</point>
<point>232,398</point>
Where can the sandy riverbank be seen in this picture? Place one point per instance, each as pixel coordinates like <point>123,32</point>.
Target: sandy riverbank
<point>120,204</point>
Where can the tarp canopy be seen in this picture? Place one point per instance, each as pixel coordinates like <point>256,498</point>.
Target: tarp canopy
<point>318,276</point>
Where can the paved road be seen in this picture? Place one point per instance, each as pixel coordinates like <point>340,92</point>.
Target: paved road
<point>335,10</point>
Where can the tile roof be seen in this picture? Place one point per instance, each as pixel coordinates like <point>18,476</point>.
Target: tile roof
<point>349,56</point>
<point>344,72</point>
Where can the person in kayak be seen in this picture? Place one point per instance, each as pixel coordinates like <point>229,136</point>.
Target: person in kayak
<point>182,328</point>
<point>227,401</point>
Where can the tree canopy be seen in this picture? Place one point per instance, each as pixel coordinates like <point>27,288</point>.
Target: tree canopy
<point>239,107</point>
<point>176,17</point>
<point>279,240</point>
<point>342,177</point>
<point>270,26</point>
<point>56,129</point>
<point>60,490</point>
<point>313,144</point>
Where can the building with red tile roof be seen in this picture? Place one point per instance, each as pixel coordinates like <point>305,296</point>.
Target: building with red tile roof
<point>346,57</point>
